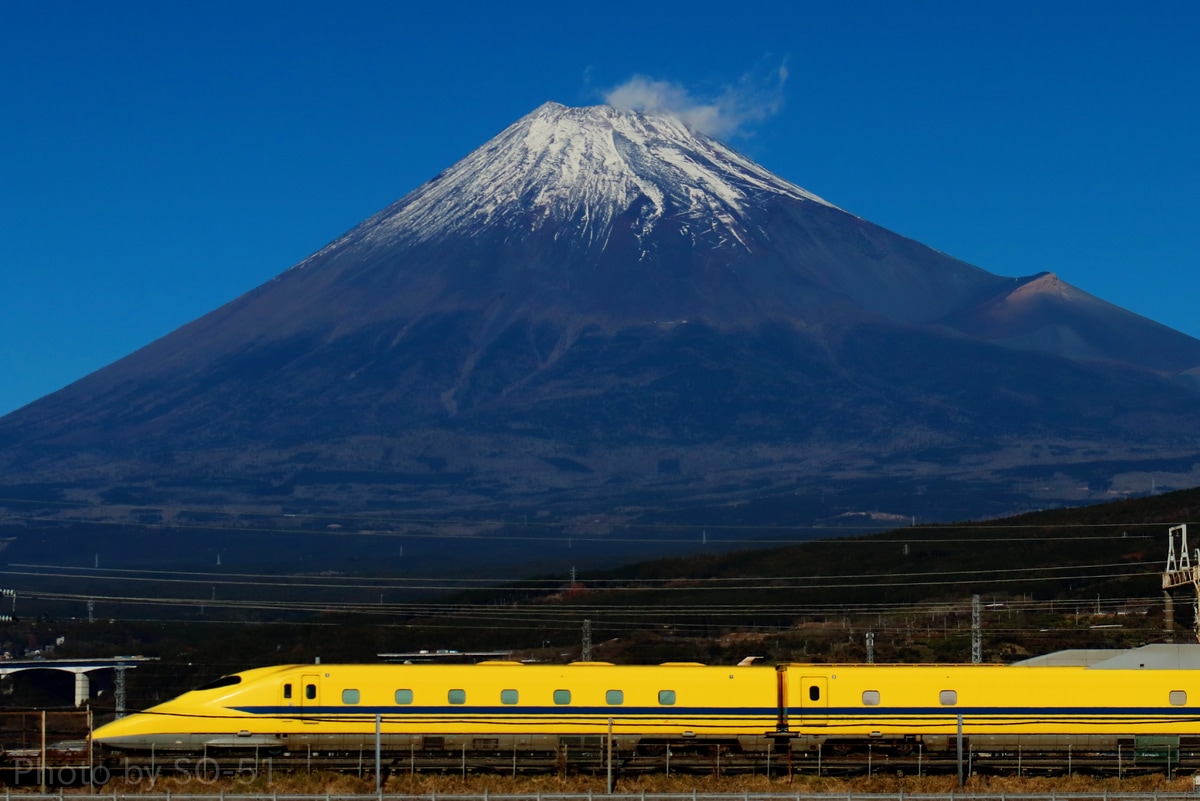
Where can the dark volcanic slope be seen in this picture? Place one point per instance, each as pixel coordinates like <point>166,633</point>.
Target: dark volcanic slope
<point>1046,314</point>
<point>606,316</point>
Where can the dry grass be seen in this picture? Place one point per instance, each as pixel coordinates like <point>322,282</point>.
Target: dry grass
<point>442,784</point>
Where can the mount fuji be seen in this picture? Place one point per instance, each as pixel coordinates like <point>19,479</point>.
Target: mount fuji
<point>603,322</point>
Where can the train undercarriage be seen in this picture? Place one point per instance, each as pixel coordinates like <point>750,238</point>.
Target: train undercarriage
<point>774,755</point>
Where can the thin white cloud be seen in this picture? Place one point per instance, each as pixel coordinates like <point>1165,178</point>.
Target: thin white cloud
<point>730,112</point>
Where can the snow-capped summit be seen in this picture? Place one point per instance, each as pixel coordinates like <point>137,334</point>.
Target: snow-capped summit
<point>601,214</point>
<point>579,170</point>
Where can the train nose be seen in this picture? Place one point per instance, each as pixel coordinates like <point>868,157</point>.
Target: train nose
<point>138,732</point>
<point>122,732</point>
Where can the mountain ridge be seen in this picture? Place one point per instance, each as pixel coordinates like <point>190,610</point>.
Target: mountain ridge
<point>1044,313</point>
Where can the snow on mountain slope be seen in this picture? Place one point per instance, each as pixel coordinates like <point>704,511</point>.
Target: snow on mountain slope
<point>623,217</point>
<point>578,169</point>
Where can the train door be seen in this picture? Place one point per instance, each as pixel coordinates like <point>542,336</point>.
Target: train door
<point>814,700</point>
<point>309,693</point>
<point>781,698</point>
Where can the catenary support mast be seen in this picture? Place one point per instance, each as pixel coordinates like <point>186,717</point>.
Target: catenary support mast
<point>1183,568</point>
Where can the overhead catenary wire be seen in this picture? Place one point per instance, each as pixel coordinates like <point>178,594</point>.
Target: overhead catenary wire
<point>338,591</point>
<point>480,611</point>
<point>599,584</point>
<point>463,526</point>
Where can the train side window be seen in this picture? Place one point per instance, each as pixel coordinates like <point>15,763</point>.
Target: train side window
<point>287,691</point>
<point>508,696</point>
<point>870,697</point>
<point>666,697</point>
<point>814,693</point>
<point>562,697</point>
<point>457,696</point>
<point>1178,697</point>
<point>614,697</point>
<point>349,696</point>
<point>948,697</point>
<point>310,691</point>
<point>404,697</point>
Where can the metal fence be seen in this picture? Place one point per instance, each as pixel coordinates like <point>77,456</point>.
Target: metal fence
<point>600,796</point>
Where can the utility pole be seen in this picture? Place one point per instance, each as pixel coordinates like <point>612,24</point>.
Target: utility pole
<point>976,631</point>
<point>586,654</point>
<point>870,647</point>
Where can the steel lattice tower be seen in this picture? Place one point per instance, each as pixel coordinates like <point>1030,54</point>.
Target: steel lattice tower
<point>976,631</point>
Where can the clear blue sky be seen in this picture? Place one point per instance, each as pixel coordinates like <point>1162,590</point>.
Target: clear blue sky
<point>160,157</point>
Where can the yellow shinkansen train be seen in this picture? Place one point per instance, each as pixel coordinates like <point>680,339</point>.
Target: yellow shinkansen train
<point>1107,710</point>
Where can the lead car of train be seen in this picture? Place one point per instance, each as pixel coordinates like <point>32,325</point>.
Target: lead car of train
<point>1108,711</point>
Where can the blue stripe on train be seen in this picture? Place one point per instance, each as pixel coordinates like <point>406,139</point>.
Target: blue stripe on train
<point>995,711</point>
<point>514,711</point>
<point>727,713</point>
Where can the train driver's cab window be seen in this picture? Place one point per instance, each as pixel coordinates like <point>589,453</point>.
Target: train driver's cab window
<point>562,697</point>
<point>404,697</point>
<point>814,692</point>
<point>224,681</point>
<point>349,696</point>
<point>508,696</point>
<point>310,691</point>
<point>948,697</point>
<point>1178,697</point>
<point>614,697</point>
<point>287,691</point>
<point>870,697</point>
<point>666,697</point>
<point>457,696</point>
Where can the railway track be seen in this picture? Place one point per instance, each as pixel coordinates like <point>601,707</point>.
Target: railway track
<point>73,767</point>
